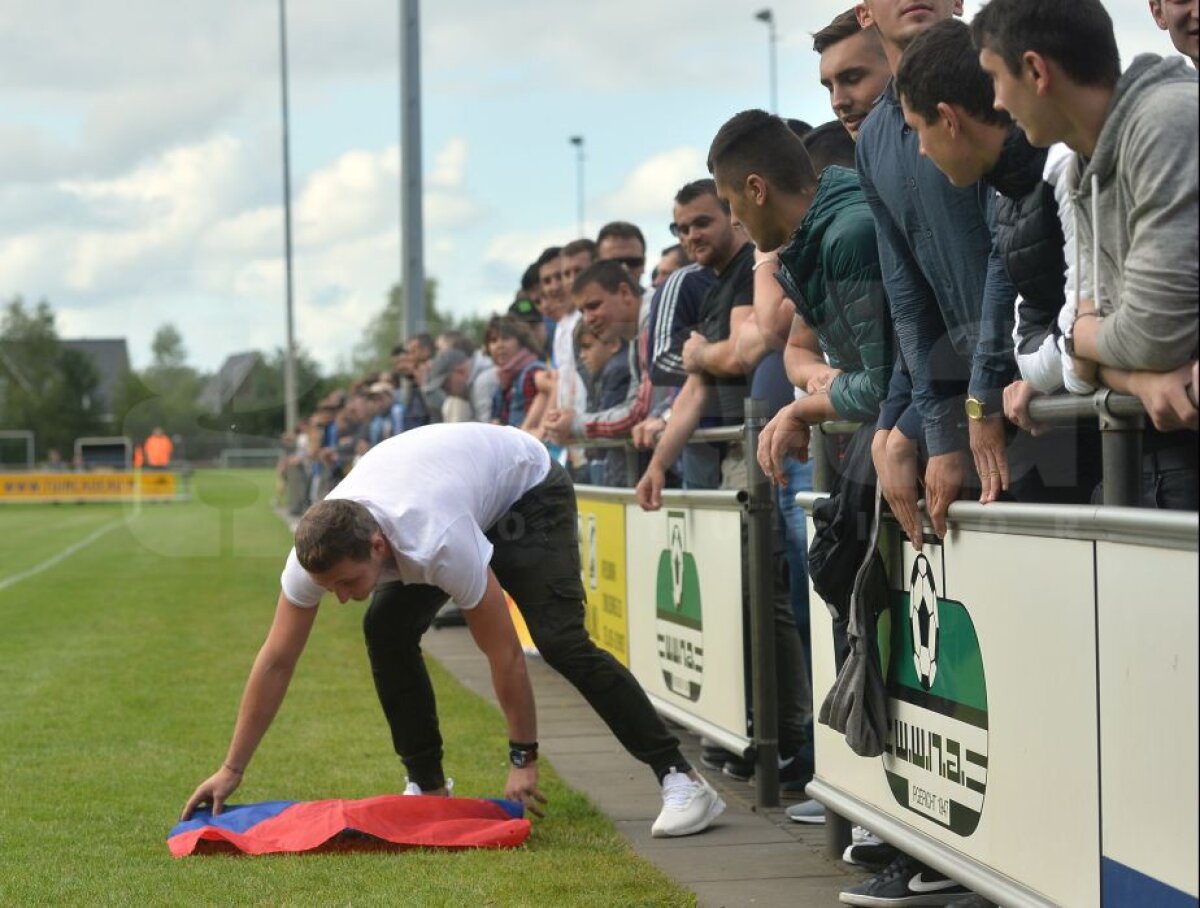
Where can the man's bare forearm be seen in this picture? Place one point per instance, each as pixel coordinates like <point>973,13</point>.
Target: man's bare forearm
<point>685,417</point>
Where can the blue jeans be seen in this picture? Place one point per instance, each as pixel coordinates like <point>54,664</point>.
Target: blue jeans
<point>795,533</point>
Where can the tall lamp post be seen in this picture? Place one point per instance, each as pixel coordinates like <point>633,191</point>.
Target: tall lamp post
<point>289,362</point>
<point>767,16</point>
<point>412,266</point>
<point>577,141</point>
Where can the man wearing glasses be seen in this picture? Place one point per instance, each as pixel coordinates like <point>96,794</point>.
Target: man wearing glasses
<point>625,243</point>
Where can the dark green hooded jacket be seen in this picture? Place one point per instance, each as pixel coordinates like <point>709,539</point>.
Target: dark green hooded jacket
<point>830,270</point>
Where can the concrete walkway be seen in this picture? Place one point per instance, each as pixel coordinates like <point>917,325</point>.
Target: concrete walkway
<point>749,857</point>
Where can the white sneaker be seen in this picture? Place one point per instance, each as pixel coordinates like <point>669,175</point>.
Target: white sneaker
<point>688,806</point>
<point>860,835</point>
<point>412,788</point>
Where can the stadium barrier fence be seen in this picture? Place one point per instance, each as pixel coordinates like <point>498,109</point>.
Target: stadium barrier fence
<point>1041,743</point>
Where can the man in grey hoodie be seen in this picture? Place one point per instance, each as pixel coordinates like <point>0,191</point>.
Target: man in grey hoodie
<point>1136,193</point>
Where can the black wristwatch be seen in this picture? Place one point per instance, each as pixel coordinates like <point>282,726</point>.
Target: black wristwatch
<point>521,755</point>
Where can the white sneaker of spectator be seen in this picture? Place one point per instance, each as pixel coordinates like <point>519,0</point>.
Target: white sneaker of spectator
<point>689,806</point>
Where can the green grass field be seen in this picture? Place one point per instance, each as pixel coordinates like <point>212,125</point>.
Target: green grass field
<point>120,672</point>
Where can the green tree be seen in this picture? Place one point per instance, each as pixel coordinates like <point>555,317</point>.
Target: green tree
<point>43,387</point>
<point>167,348</point>
<point>373,352</point>
<point>163,394</point>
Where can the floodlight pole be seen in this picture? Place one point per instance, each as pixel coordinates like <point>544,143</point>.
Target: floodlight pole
<point>768,16</point>
<point>289,361</point>
<point>412,241</point>
<point>577,141</point>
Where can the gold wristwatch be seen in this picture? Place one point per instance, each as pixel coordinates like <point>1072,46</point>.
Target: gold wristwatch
<point>976,410</point>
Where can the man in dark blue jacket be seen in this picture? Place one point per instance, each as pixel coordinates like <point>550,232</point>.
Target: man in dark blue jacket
<point>951,300</point>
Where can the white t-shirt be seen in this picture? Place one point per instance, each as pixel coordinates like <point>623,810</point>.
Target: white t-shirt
<point>434,491</point>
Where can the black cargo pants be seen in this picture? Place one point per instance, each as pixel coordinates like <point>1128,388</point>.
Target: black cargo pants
<point>536,559</point>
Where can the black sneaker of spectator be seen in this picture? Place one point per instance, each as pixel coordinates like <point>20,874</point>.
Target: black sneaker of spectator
<point>870,852</point>
<point>715,757</point>
<point>905,881</point>
<point>740,768</point>
<point>793,775</point>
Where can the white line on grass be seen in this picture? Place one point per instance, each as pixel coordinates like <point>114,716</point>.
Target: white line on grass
<point>61,556</point>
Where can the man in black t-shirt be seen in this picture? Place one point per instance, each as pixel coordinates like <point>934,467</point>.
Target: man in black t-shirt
<point>717,383</point>
<point>709,351</point>
<point>713,394</point>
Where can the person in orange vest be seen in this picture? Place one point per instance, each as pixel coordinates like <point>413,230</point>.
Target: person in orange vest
<point>139,458</point>
<point>158,449</point>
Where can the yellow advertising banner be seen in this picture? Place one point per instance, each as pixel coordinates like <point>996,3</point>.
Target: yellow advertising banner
<point>521,627</point>
<point>110,486</point>
<point>602,558</point>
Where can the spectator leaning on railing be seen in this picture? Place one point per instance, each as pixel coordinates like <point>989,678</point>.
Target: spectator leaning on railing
<point>951,300</point>
<point>1136,191</point>
<point>952,308</point>
<point>948,101</point>
<point>611,303</point>
<point>716,384</point>
<point>829,266</point>
<point>853,68</point>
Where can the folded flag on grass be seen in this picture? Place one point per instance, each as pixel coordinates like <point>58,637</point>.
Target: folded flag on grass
<point>389,822</point>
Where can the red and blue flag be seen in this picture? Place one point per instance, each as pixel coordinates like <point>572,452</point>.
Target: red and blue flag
<point>384,822</point>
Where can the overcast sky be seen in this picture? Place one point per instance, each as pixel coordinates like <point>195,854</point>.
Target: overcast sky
<point>140,174</point>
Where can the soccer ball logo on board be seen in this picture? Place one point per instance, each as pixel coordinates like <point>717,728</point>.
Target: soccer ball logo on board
<point>936,755</point>
<point>923,616</point>
<point>679,619</point>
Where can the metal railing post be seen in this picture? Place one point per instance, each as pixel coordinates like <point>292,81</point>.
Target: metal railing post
<point>1121,454</point>
<point>838,834</point>
<point>818,453</point>
<point>631,463</point>
<point>762,619</point>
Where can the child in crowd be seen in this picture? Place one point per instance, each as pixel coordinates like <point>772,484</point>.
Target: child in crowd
<point>518,400</point>
<point>607,382</point>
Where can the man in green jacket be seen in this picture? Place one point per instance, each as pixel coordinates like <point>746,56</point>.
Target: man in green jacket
<point>829,266</point>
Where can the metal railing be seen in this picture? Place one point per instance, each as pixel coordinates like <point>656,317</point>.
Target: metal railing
<point>755,501</point>
<point>1121,419</point>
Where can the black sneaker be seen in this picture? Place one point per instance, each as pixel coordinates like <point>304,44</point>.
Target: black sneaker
<point>795,776</point>
<point>739,768</point>
<point>869,852</point>
<point>715,757</point>
<point>905,881</point>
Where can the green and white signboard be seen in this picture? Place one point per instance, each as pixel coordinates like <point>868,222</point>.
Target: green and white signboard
<point>937,746</point>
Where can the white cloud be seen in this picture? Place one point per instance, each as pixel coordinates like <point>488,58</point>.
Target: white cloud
<point>643,197</point>
<point>450,166</point>
<point>184,238</point>
<point>353,196</point>
<point>514,250</point>
<point>139,174</point>
<point>647,194</point>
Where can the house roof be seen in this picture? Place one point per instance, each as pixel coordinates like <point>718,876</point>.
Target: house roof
<point>223,386</point>
<point>110,356</point>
